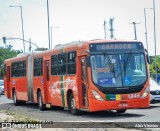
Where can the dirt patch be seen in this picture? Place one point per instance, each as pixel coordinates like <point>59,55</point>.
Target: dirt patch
<point>10,116</point>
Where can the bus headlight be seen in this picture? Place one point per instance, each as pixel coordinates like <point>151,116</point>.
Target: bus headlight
<point>96,95</point>
<point>145,93</point>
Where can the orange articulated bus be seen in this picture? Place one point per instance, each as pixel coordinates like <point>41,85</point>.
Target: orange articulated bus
<point>89,76</point>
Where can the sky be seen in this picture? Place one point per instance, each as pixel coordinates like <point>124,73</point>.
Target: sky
<point>74,20</point>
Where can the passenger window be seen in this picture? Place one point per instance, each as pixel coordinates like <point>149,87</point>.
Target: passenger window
<point>71,63</point>
<point>54,65</point>
<point>62,64</point>
<point>38,67</point>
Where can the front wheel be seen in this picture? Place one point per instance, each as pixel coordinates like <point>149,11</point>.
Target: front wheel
<point>41,106</point>
<point>121,111</point>
<point>72,106</point>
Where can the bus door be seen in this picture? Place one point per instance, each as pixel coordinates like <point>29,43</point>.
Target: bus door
<point>46,82</point>
<point>84,83</point>
<point>8,73</point>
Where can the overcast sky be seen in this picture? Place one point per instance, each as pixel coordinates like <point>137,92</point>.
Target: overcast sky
<point>77,20</point>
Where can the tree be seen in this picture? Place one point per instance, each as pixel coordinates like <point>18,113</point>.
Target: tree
<point>6,53</point>
<point>152,65</point>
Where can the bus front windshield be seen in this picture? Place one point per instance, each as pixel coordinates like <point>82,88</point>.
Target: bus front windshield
<point>118,70</point>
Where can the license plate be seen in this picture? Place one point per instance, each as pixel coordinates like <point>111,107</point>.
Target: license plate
<point>123,104</point>
<point>157,98</point>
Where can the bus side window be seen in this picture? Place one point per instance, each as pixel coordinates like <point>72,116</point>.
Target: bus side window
<point>62,64</point>
<point>24,68</point>
<point>54,65</point>
<point>83,69</point>
<point>18,69</point>
<point>71,68</point>
<point>38,67</point>
<point>14,69</point>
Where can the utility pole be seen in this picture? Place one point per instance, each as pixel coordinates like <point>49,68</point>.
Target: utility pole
<point>155,36</point>
<point>48,25</point>
<point>135,32</point>
<point>105,29</point>
<point>52,35</point>
<point>22,29</point>
<point>111,28</point>
<point>30,46</point>
<point>22,25</point>
<point>146,26</point>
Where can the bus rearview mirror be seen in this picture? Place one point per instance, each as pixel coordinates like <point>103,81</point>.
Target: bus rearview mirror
<point>148,58</point>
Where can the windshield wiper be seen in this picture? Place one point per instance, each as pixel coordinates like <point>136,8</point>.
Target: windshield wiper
<point>109,62</point>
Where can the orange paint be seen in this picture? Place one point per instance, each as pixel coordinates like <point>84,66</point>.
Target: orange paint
<point>55,89</point>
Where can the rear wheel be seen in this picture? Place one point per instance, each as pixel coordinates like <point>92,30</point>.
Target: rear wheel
<point>23,102</point>
<point>72,105</point>
<point>41,106</point>
<point>121,111</point>
<point>16,102</point>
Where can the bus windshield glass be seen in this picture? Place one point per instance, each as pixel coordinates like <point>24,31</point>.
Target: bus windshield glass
<point>118,70</point>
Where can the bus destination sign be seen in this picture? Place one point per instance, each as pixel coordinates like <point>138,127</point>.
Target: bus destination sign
<point>116,46</point>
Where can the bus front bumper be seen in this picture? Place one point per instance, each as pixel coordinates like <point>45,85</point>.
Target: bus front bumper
<point>97,105</point>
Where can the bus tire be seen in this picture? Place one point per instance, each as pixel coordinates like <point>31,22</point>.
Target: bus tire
<point>22,102</point>
<point>16,102</point>
<point>41,106</point>
<point>121,111</point>
<point>72,105</point>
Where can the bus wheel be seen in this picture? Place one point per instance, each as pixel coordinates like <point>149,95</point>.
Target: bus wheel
<point>40,102</point>
<point>121,111</point>
<point>72,105</point>
<point>16,102</point>
<point>23,102</point>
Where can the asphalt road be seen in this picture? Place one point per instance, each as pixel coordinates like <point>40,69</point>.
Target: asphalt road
<point>151,114</point>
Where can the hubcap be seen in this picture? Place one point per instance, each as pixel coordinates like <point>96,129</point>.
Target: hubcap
<point>14,97</point>
<point>73,106</point>
<point>40,101</point>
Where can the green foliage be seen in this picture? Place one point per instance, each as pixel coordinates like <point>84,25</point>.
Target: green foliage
<point>152,65</point>
<point>6,53</point>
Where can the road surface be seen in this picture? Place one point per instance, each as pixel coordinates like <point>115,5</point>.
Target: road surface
<point>151,114</point>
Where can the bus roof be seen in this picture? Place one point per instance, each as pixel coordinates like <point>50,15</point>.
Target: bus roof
<point>72,45</point>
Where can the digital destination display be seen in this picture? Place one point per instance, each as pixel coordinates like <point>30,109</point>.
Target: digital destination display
<point>116,46</point>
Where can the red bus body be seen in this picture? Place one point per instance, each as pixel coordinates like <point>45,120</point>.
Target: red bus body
<point>56,89</point>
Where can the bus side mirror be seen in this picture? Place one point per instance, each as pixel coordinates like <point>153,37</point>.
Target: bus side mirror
<point>148,58</point>
<point>88,61</point>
